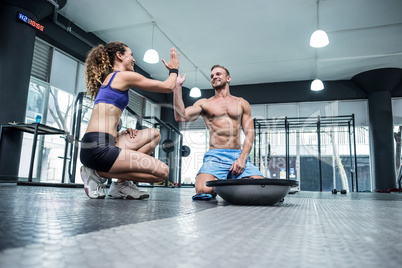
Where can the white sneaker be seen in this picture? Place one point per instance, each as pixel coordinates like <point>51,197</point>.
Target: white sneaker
<point>126,190</point>
<point>93,184</point>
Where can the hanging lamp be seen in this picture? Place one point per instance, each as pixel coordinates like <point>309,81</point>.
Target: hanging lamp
<point>319,38</point>
<point>151,55</point>
<point>317,84</point>
<point>195,92</point>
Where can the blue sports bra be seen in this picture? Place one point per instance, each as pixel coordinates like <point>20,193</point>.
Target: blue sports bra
<point>107,94</point>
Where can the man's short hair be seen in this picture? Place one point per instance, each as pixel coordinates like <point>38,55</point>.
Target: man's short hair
<point>220,66</point>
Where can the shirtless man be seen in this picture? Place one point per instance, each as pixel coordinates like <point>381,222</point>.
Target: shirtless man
<point>223,115</point>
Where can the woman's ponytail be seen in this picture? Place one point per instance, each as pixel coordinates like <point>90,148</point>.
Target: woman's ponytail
<point>99,64</point>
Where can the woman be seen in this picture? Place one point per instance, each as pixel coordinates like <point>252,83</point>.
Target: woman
<point>106,153</point>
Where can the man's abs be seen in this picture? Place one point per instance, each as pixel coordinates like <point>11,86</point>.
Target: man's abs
<point>224,136</point>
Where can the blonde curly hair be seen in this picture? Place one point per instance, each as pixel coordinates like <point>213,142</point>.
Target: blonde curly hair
<point>99,64</point>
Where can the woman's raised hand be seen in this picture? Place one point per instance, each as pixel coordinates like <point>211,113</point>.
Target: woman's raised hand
<point>173,61</point>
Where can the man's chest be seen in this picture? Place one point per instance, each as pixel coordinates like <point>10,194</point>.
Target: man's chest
<point>219,108</point>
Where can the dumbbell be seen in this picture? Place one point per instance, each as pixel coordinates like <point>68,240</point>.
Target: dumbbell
<point>185,151</point>
<point>335,191</point>
<point>168,147</point>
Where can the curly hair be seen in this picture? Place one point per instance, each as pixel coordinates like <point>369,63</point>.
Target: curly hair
<point>99,64</point>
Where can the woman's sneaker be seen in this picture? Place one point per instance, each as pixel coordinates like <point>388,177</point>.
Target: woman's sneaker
<point>126,190</point>
<point>93,184</point>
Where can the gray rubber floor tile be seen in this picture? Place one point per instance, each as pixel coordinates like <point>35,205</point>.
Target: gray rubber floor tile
<point>171,230</point>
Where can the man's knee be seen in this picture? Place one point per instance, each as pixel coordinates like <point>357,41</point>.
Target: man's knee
<point>204,189</point>
<point>254,177</point>
<point>200,184</point>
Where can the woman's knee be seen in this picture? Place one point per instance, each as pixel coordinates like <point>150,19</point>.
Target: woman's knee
<point>152,133</point>
<point>155,136</point>
<point>162,172</point>
<point>156,133</point>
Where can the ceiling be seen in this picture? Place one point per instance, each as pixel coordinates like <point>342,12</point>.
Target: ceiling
<point>259,41</point>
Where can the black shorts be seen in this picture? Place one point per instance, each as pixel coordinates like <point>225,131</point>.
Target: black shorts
<point>99,151</point>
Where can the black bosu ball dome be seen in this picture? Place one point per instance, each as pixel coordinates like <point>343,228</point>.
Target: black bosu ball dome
<point>252,191</point>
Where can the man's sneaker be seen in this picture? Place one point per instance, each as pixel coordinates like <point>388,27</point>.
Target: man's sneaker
<point>126,190</point>
<point>93,184</point>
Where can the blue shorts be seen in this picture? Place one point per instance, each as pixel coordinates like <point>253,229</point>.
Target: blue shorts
<point>217,162</point>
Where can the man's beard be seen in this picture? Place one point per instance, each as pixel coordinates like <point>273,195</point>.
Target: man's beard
<point>220,86</point>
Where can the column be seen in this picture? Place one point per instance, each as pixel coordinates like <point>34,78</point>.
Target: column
<point>16,53</point>
<point>381,131</point>
<point>378,84</point>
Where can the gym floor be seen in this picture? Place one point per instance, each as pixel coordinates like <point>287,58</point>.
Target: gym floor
<point>61,227</point>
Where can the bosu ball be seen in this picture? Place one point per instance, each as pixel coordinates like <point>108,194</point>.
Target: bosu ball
<point>260,192</point>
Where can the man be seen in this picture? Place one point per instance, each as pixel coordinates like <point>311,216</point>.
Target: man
<point>223,115</point>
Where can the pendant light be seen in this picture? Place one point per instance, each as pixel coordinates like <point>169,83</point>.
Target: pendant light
<point>151,55</point>
<point>317,84</point>
<point>195,92</point>
<point>319,38</point>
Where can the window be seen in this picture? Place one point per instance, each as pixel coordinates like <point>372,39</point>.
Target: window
<point>397,119</point>
<point>334,146</point>
<point>198,141</point>
<point>303,144</point>
<point>36,103</point>
<point>51,95</point>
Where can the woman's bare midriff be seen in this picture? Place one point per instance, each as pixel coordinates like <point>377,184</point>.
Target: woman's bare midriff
<point>105,118</point>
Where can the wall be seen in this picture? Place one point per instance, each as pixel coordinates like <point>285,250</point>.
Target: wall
<point>298,91</point>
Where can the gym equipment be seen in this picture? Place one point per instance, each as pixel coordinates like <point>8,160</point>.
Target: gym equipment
<point>342,191</point>
<point>286,126</point>
<point>168,146</point>
<point>261,192</point>
<point>185,151</point>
